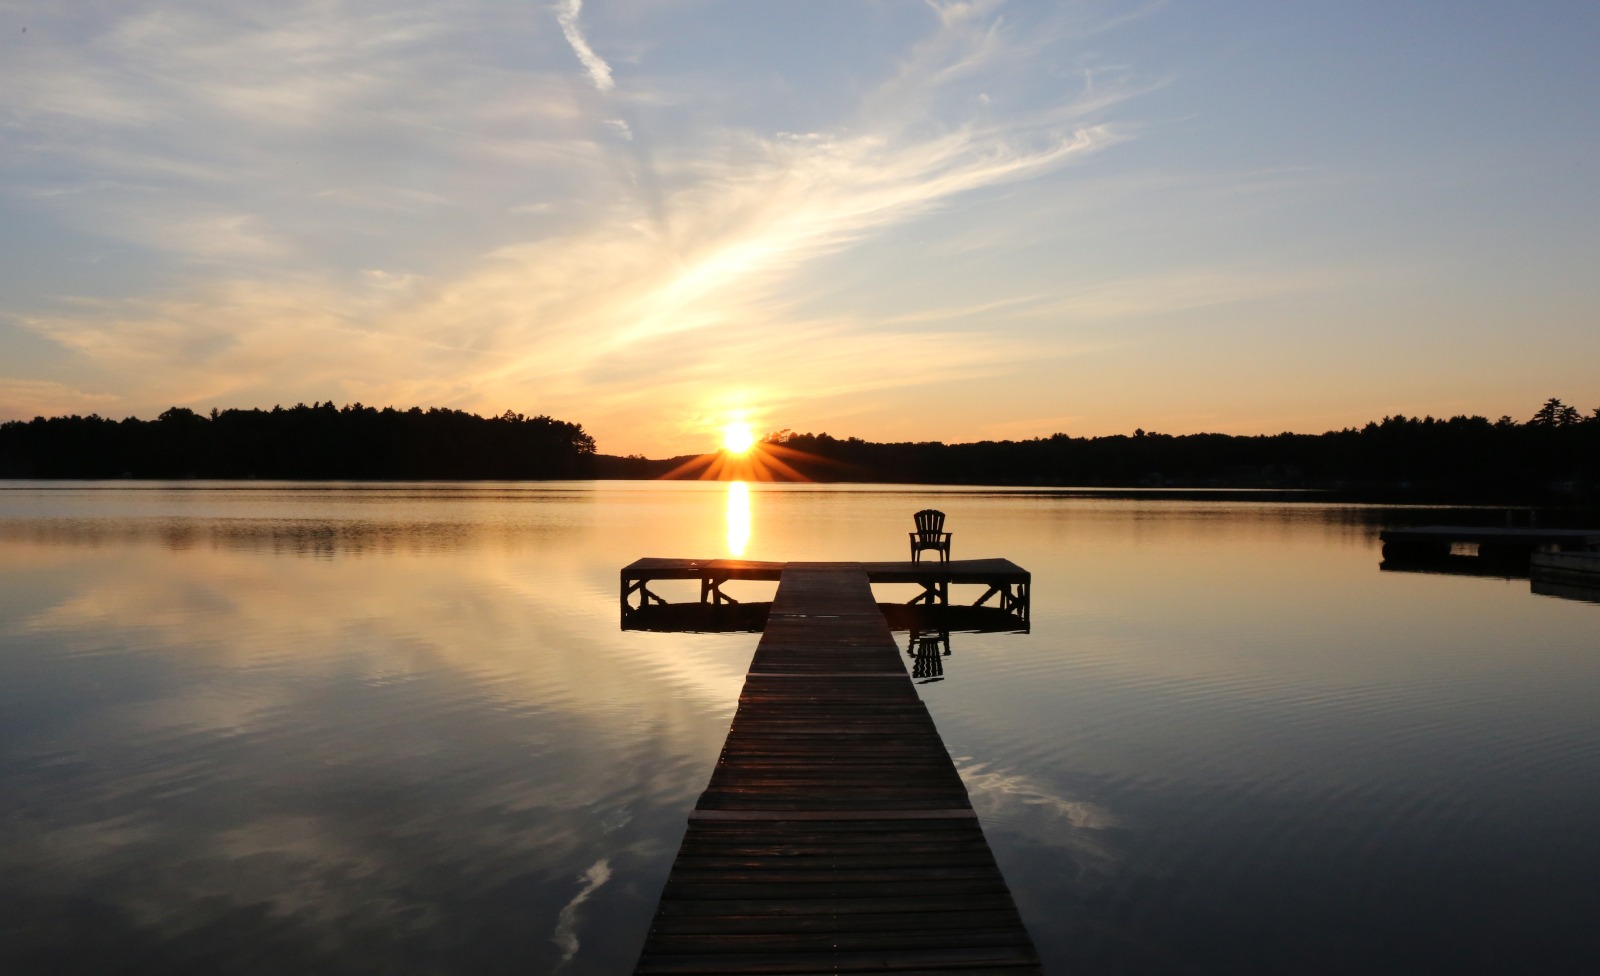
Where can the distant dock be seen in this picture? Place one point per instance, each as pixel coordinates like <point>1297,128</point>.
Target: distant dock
<point>1441,541</point>
<point>1561,563</point>
<point>835,835</point>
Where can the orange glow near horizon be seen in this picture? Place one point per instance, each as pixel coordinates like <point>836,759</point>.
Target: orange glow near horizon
<point>738,518</point>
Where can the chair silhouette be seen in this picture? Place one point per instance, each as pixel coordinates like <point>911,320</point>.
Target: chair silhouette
<point>930,534</point>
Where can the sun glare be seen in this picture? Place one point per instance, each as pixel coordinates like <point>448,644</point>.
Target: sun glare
<point>743,456</point>
<point>737,438</point>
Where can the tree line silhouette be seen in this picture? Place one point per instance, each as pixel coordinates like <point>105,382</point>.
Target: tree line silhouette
<point>320,441</point>
<point>1555,451</point>
<point>1552,456</point>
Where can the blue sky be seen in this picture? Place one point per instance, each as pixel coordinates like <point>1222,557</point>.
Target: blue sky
<point>894,220</point>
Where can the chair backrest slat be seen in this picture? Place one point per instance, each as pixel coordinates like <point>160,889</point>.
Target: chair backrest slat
<point>929,521</point>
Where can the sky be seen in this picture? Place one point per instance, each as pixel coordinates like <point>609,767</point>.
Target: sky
<point>887,219</point>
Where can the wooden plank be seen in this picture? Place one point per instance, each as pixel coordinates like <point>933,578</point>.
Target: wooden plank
<point>835,834</point>
<point>1012,959</point>
<point>653,567</point>
<point>851,906</point>
<point>962,571</point>
<point>833,922</point>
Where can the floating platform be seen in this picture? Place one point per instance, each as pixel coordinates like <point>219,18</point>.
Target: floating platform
<point>1003,581</point>
<point>835,835</point>
<point>1505,544</point>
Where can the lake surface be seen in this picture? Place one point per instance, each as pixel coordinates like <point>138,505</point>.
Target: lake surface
<point>272,728</point>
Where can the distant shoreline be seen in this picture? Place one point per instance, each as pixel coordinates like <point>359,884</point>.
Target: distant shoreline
<point>1367,495</point>
<point>1551,459</point>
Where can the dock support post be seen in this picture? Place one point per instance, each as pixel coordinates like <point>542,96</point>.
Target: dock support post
<point>711,586</point>
<point>641,587</point>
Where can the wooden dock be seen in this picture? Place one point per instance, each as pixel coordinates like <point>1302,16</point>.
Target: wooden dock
<point>1002,580</point>
<point>835,835</point>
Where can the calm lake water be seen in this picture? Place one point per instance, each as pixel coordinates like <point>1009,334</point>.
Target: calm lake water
<point>272,728</point>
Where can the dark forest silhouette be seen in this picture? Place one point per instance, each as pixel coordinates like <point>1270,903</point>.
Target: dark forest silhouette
<point>300,442</point>
<point>1555,454</point>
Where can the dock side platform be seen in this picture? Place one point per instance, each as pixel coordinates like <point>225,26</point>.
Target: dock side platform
<point>835,835</point>
<point>1008,584</point>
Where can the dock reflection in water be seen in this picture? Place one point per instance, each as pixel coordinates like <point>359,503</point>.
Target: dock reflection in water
<point>927,650</point>
<point>928,629</point>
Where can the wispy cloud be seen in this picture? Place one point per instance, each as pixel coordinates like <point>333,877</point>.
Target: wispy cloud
<point>353,278</point>
<point>567,12</point>
<point>473,205</point>
<point>1034,810</point>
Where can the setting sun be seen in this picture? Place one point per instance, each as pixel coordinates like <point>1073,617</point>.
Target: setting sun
<point>737,438</point>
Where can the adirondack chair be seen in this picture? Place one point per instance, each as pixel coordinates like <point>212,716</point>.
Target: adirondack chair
<point>930,534</point>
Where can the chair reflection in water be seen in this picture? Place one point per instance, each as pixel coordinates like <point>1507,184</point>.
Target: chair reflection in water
<point>930,534</point>
<point>927,649</point>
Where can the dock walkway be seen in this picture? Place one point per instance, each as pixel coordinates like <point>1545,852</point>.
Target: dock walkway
<point>835,835</point>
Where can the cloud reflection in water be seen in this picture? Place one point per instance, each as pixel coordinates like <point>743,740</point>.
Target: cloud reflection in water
<point>381,755</point>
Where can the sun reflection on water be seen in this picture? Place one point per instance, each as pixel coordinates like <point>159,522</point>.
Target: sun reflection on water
<point>738,517</point>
